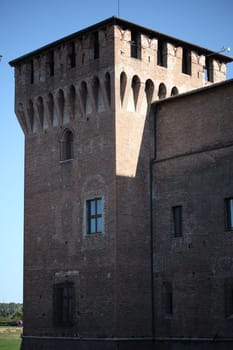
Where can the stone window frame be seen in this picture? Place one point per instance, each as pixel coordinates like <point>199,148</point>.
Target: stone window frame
<point>95,216</point>
<point>64,304</point>
<point>67,146</point>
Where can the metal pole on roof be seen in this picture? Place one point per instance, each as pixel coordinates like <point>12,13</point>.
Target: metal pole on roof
<point>118,8</point>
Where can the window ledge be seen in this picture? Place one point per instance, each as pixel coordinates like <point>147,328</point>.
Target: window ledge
<point>66,160</point>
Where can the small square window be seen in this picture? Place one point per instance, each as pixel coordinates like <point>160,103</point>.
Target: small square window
<point>177,220</point>
<point>95,216</point>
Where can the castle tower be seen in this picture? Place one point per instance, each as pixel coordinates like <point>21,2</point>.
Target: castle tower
<point>83,103</point>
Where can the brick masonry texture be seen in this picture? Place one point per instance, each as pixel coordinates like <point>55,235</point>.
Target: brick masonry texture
<point>142,155</point>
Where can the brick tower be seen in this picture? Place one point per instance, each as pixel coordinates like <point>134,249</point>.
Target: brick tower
<point>83,103</point>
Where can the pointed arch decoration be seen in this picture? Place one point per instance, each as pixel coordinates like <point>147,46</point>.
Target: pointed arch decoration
<point>61,103</point>
<point>66,145</point>
<point>30,111</point>
<point>136,88</point>
<point>174,91</point>
<point>50,103</point>
<point>40,109</point>
<point>83,94</point>
<point>123,82</point>
<point>107,84</point>
<point>162,91</point>
<point>72,99</point>
<point>22,118</point>
<point>96,91</point>
<point>149,90</point>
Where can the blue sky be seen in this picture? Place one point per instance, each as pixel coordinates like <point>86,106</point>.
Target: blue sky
<point>26,25</point>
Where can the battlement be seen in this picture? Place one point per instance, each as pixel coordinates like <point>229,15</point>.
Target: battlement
<point>75,76</point>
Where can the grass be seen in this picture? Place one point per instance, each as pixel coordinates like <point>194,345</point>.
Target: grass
<point>10,338</point>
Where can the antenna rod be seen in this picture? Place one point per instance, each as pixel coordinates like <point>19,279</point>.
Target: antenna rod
<point>118,9</point>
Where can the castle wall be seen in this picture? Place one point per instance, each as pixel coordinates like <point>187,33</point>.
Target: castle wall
<point>83,103</point>
<point>193,169</point>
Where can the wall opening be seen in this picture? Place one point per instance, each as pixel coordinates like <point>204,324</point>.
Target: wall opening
<point>51,63</point>
<point>72,55</point>
<point>162,91</point>
<point>66,145</point>
<point>96,45</point>
<point>209,69</point>
<point>135,43</point>
<point>186,61</point>
<point>162,53</point>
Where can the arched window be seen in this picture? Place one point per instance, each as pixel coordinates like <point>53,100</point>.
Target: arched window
<point>174,91</point>
<point>162,91</point>
<point>67,145</point>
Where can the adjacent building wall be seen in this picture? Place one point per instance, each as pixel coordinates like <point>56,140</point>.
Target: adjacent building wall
<point>193,169</point>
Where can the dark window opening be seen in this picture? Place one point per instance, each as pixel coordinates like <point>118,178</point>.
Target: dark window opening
<point>162,91</point>
<point>72,56</point>
<point>96,45</point>
<point>51,63</point>
<point>229,214</point>
<point>209,70</point>
<point>174,91</point>
<point>31,72</point>
<point>94,216</point>
<point>135,44</point>
<point>177,220</point>
<point>67,146</point>
<point>228,291</point>
<point>162,53</point>
<point>168,298</point>
<point>64,304</point>
<point>186,61</point>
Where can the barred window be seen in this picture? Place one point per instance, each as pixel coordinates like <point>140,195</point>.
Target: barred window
<point>64,304</point>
